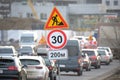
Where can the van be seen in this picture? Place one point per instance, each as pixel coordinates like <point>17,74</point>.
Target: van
<point>74,62</point>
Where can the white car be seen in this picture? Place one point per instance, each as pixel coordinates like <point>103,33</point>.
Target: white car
<point>83,41</point>
<point>109,51</point>
<point>8,51</point>
<point>35,67</point>
<point>86,62</point>
<point>105,57</point>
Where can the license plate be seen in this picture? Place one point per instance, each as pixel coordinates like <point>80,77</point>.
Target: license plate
<point>1,71</point>
<point>62,65</point>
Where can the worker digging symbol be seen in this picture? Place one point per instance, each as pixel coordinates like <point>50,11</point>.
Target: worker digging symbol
<point>55,20</point>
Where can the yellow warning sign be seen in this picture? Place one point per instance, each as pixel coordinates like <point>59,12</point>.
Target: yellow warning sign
<point>42,40</point>
<point>55,20</point>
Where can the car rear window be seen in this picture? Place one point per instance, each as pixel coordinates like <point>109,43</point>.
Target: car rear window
<point>72,50</point>
<point>101,52</point>
<point>90,53</point>
<point>29,62</point>
<point>6,50</point>
<point>6,62</point>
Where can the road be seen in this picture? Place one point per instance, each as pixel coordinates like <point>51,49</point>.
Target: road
<point>94,74</point>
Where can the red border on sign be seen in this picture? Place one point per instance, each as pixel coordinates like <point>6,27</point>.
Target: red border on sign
<point>56,47</point>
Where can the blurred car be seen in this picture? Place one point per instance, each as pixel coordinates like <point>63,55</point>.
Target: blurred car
<point>35,67</point>
<point>105,57</point>
<point>86,62</point>
<point>83,41</point>
<point>94,57</point>
<point>91,42</point>
<point>11,69</point>
<point>42,51</point>
<point>27,50</point>
<point>74,62</point>
<point>49,63</point>
<point>8,51</point>
<point>52,68</point>
<point>109,51</point>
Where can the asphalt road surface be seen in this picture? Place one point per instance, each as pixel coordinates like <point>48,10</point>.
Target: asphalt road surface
<point>94,74</point>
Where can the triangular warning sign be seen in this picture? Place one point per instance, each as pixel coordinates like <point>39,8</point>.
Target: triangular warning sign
<point>56,20</point>
<point>42,40</point>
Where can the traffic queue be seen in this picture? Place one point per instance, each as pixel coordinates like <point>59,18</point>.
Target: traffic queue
<point>43,63</point>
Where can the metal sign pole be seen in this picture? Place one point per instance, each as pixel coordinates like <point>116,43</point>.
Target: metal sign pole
<point>58,70</point>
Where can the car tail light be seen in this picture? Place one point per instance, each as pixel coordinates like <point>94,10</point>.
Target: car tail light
<point>12,68</point>
<point>50,67</point>
<point>93,58</point>
<point>38,67</point>
<point>79,60</point>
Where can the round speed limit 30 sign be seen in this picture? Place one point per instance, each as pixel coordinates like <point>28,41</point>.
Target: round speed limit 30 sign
<point>56,39</point>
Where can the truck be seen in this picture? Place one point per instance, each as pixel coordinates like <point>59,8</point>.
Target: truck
<point>28,38</point>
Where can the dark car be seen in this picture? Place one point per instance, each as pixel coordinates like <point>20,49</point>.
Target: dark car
<point>11,69</point>
<point>52,68</point>
<point>74,62</point>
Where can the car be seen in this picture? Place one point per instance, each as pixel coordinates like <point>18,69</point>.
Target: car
<point>8,51</point>
<point>49,63</point>
<point>27,50</point>
<point>74,62</point>
<point>42,51</point>
<point>94,57</point>
<point>83,41</point>
<point>52,68</point>
<point>86,62</point>
<point>105,57</point>
<point>109,51</point>
<point>91,42</point>
<point>12,69</point>
<point>35,67</point>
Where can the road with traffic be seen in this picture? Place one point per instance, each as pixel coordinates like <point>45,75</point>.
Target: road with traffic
<point>94,74</point>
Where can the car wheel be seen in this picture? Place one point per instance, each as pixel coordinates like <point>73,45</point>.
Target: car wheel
<point>55,78</point>
<point>80,72</point>
<point>88,68</point>
<point>51,77</point>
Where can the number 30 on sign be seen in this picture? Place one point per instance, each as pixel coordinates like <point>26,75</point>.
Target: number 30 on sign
<point>56,39</point>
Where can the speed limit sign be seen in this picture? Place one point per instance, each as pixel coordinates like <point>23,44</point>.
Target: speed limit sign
<point>56,39</point>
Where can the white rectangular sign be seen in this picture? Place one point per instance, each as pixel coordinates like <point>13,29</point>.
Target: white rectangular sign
<point>58,54</point>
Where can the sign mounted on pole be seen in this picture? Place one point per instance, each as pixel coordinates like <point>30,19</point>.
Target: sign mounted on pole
<point>56,39</point>
<point>58,54</point>
<point>55,20</point>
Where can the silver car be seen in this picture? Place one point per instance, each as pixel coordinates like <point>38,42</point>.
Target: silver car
<point>35,67</point>
<point>105,57</point>
<point>109,51</point>
<point>8,51</point>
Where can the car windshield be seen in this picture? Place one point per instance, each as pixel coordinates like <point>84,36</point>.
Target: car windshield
<point>26,49</point>
<point>27,39</point>
<point>104,49</point>
<point>29,62</point>
<point>101,52</point>
<point>90,53</point>
<point>6,50</point>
